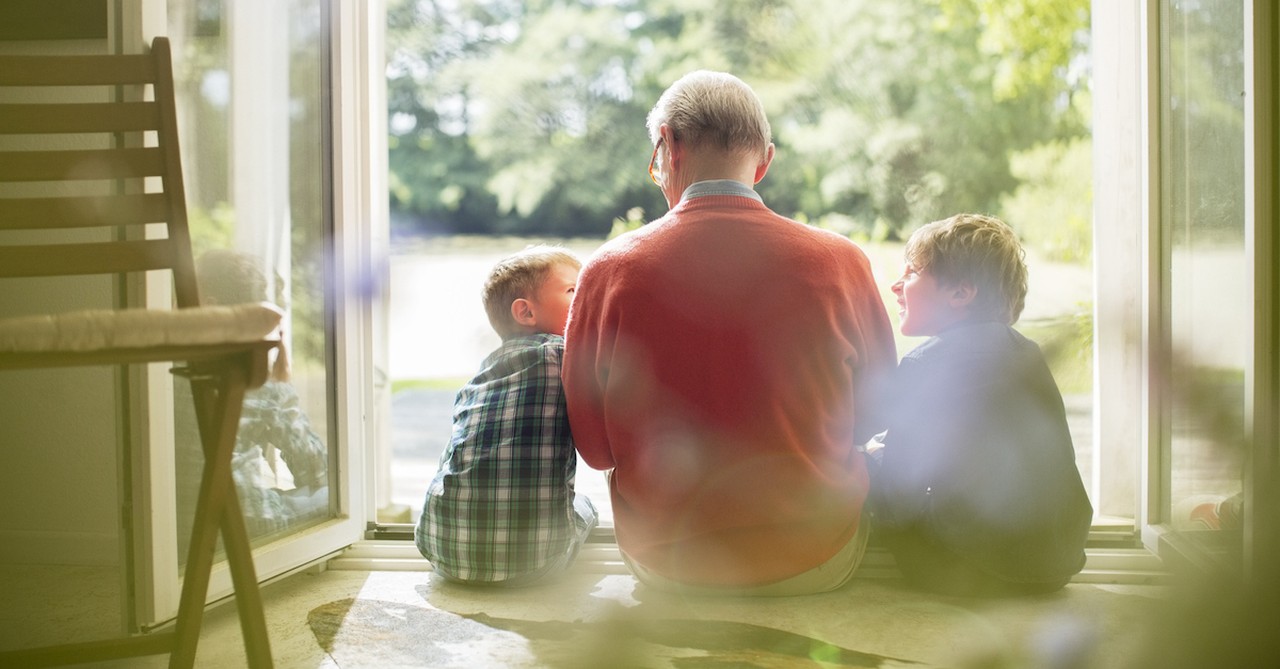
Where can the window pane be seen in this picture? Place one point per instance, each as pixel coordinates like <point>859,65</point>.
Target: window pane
<point>508,120</point>
<point>251,105</point>
<point>429,363</point>
<point>1202,116</point>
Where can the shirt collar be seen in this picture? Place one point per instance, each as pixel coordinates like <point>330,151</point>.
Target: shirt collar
<point>719,187</point>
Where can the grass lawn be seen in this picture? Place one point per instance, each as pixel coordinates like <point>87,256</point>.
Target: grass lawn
<point>1057,316</point>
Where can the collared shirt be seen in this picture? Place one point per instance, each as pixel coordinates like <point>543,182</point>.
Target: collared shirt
<point>978,458</point>
<point>501,505</point>
<point>719,187</point>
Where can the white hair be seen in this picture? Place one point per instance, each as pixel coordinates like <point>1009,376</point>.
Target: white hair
<point>715,109</point>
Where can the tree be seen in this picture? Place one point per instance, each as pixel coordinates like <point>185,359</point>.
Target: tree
<point>436,177</point>
<point>529,117</point>
<point>903,119</point>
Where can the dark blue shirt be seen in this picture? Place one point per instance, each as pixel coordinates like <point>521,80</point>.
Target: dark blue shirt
<point>978,456</point>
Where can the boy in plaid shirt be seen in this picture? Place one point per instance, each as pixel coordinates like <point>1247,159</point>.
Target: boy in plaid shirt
<point>502,509</point>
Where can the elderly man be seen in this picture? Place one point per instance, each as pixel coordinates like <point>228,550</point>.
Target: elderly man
<point>723,361</point>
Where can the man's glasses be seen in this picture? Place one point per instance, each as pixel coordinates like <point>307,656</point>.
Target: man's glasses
<point>652,173</point>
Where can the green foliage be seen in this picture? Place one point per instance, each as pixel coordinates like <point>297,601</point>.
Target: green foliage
<point>1204,117</point>
<point>528,118</point>
<point>1035,43</point>
<point>1067,343</point>
<point>634,220</point>
<point>446,383</point>
<point>1052,208</point>
<point>215,229</point>
<point>307,306</point>
<point>212,228</point>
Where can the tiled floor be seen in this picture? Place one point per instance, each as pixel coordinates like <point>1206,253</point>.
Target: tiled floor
<point>351,618</point>
<point>390,619</point>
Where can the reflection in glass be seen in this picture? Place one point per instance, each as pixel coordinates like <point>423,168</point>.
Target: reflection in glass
<point>280,465</point>
<point>1202,116</point>
<point>252,107</point>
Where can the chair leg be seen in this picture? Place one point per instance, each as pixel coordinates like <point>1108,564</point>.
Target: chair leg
<point>218,415</point>
<point>215,484</point>
<point>253,623</point>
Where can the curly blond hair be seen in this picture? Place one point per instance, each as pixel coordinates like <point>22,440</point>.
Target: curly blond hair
<point>979,250</point>
<point>517,276</point>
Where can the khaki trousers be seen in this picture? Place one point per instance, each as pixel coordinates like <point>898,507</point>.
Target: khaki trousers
<point>830,575</point>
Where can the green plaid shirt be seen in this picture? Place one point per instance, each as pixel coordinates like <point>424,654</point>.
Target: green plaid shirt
<point>501,505</point>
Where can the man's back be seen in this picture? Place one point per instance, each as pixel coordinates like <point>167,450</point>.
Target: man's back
<point>720,360</point>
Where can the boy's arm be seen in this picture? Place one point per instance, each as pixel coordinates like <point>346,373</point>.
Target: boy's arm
<point>302,449</point>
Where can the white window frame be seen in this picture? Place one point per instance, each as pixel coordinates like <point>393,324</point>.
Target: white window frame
<point>359,209</point>
<point>1262,239</point>
<point>1131,266</point>
<point>1120,175</point>
<point>1129,412</point>
<point>1125,193</point>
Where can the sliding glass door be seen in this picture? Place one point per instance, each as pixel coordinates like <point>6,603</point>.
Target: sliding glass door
<point>1205,296</point>
<point>254,96</point>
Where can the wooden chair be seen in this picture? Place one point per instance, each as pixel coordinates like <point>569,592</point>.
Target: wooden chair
<point>222,350</point>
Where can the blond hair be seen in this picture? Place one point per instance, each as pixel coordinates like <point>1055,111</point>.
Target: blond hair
<point>518,276</point>
<point>979,250</point>
<point>714,109</point>
<point>230,277</point>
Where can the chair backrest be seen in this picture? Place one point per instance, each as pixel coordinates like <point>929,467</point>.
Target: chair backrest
<point>72,166</point>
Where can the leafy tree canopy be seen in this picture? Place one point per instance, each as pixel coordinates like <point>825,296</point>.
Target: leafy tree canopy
<point>528,117</point>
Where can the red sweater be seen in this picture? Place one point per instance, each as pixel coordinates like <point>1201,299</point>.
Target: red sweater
<point>722,361</point>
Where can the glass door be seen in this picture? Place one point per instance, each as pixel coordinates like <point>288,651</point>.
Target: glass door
<point>253,86</point>
<point>510,124</point>
<point>1207,310</point>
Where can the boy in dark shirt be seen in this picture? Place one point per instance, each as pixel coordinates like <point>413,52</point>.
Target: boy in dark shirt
<point>977,491</point>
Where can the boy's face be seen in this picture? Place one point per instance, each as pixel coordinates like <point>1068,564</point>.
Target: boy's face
<point>550,304</point>
<point>925,306</point>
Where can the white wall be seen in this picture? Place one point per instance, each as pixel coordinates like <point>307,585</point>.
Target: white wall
<point>58,428</point>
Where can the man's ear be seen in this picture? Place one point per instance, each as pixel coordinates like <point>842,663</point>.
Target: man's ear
<point>675,150</point>
<point>963,294</point>
<point>522,312</point>
<point>763,166</point>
